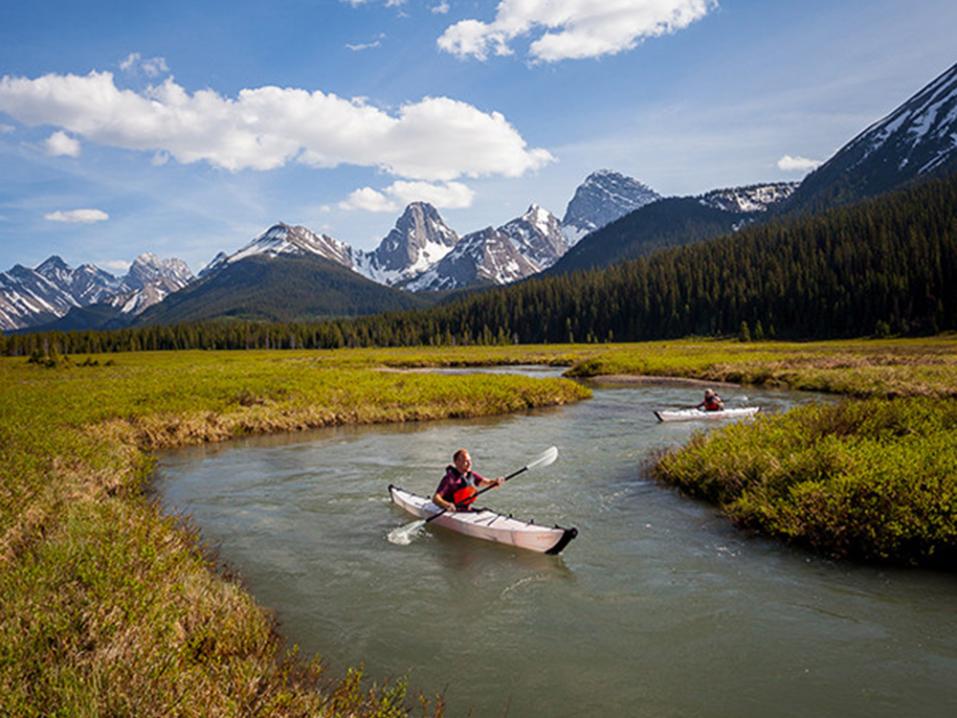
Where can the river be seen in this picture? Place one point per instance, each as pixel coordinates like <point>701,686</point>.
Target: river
<point>660,607</point>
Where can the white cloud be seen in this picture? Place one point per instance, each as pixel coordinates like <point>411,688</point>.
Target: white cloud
<point>369,200</point>
<point>61,144</point>
<point>572,29</point>
<point>388,3</point>
<point>117,265</point>
<point>151,67</point>
<point>450,195</point>
<point>367,45</point>
<point>441,9</point>
<point>130,62</point>
<point>78,216</point>
<point>797,164</point>
<point>160,158</point>
<point>434,139</point>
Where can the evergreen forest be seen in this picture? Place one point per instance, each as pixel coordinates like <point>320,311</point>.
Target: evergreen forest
<point>884,266</point>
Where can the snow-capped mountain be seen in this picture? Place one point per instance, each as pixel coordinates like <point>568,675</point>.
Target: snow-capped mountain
<point>283,239</point>
<point>27,297</point>
<point>752,198</point>
<point>522,247</point>
<point>149,281</point>
<point>537,236</point>
<point>602,198</point>
<point>87,284</point>
<point>484,257</point>
<point>918,138</point>
<point>30,297</point>
<point>419,240</point>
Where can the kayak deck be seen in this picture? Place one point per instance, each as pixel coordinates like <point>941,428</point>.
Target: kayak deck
<point>488,525</point>
<point>697,414</point>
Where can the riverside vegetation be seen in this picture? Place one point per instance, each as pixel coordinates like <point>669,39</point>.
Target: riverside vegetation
<point>112,608</point>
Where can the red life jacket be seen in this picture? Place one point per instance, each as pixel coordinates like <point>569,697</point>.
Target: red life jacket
<point>712,404</point>
<point>465,497</point>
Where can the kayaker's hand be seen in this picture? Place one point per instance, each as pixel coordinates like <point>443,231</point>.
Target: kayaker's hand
<point>451,509</point>
<point>498,482</point>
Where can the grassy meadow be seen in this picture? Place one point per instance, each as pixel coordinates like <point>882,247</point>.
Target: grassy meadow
<point>110,607</point>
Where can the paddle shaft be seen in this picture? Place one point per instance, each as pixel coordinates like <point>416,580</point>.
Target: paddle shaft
<point>481,491</point>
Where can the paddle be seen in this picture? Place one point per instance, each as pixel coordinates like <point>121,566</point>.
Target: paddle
<point>403,535</point>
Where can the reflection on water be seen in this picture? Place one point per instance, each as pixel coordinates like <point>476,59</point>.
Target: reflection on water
<point>659,607</point>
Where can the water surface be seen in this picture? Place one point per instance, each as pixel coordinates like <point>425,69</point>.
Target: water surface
<point>659,608</point>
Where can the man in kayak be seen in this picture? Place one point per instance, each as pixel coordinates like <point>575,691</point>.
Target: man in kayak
<point>459,486</point>
<point>712,402</point>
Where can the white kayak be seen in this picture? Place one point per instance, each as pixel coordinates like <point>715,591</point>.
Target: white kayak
<point>696,414</point>
<point>488,525</point>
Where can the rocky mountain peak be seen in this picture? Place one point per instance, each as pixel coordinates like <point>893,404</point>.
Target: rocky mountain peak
<point>418,241</point>
<point>602,198</point>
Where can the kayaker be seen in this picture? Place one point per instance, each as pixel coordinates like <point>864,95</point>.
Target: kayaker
<point>460,484</point>
<point>712,402</point>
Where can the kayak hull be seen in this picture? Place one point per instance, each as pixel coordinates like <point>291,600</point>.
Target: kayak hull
<point>488,525</point>
<point>699,414</point>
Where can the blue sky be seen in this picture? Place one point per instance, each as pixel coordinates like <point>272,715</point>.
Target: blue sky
<point>185,128</point>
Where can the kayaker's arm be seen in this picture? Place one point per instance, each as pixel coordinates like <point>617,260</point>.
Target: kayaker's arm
<point>442,503</point>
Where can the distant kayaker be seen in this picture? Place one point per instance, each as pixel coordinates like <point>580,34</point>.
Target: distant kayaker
<point>712,402</point>
<point>460,484</point>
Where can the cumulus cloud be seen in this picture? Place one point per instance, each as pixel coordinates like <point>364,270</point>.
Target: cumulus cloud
<point>434,139</point>
<point>151,67</point>
<point>797,164</point>
<point>449,195</point>
<point>441,9</point>
<point>77,216</point>
<point>571,29</point>
<point>61,144</point>
<point>369,200</point>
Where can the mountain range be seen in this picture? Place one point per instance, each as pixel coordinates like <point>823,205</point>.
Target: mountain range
<point>36,297</point>
<point>290,272</point>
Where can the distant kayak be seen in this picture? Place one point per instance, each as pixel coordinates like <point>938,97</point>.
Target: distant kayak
<point>488,525</point>
<point>697,414</point>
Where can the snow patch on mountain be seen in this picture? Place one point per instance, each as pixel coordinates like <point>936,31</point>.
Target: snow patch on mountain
<point>751,198</point>
<point>602,198</point>
<point>30,297</point>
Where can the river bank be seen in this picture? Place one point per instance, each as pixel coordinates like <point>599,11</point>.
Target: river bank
<point>111,606</point>
<point>114,607</point>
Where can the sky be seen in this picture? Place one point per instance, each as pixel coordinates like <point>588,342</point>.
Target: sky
<point>187,128</point>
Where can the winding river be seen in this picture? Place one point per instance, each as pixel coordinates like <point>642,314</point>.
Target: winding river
<point>659,608</point>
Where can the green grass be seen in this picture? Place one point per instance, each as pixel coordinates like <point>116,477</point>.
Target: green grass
<point>861,368</point>
<point>110,608</point>
<point>872,479</point>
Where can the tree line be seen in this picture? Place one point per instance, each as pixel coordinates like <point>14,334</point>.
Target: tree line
<point>884,266</point>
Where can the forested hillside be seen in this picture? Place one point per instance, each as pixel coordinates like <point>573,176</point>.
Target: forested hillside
<point>888,265</point>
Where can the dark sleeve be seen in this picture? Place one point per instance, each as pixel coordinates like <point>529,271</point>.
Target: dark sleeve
<point>478,477</point>
<point>445,488</point>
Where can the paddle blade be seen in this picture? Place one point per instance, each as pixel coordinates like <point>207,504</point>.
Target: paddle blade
<point>404,535</point>
<point>548,457</point>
